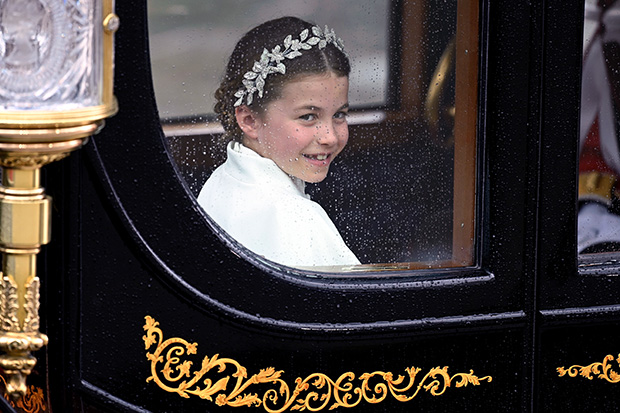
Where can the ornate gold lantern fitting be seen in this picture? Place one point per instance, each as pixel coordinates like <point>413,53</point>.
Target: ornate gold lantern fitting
<point>56,87</point>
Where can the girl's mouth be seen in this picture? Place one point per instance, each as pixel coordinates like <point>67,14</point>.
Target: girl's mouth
<point>321,158</point>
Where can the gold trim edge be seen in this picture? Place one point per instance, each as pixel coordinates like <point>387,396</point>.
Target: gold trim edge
<point>602,370</point>
<point>40,119</point>
<point>175,376</point>
<point>23,140</point>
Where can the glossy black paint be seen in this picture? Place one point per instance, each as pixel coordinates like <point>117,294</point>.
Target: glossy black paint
<point>129,241</point>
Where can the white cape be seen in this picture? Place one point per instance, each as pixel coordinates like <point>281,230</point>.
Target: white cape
<point>267,211</point>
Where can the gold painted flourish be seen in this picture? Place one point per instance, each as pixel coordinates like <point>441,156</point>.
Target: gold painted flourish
<point>603,370</point>
<point>169,373</point>
<point>32,402</point>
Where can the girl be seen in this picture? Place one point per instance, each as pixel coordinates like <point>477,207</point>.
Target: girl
<point>283,103</point>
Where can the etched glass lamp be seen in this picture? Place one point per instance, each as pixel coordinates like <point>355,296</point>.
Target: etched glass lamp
<point>56,74</point>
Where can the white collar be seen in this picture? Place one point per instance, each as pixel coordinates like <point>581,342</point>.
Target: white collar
<point>246,165</point>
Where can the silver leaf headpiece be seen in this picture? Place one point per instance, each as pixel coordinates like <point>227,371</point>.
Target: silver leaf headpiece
<point>271,62</point>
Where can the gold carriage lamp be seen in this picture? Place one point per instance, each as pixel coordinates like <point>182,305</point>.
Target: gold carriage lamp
<point>56,75</point>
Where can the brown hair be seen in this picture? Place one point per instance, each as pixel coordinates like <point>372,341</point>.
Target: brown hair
<point>249,49</point>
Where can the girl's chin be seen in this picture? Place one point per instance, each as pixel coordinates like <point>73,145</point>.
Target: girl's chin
<point>314,181</point>
<point>313,178</point>
<point>309,174</point>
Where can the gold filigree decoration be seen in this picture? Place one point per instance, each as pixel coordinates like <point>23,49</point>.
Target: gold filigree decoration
<point>32,402</point>
<point>601,370</point>
<point>173,375</point>
<point>8,305</point>
<point>31,322</point>
<point>30,161</point>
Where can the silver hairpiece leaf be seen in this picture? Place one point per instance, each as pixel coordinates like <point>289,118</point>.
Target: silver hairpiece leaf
<point>272,62</point>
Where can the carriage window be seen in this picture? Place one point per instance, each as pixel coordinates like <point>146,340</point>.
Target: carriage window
<point>401,194</point>
<point>599,157</point>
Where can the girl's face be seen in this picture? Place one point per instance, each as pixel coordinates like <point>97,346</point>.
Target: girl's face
<point>306,128</point>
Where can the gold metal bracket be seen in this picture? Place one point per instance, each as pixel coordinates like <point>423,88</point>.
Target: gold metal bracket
<point>24,227</point>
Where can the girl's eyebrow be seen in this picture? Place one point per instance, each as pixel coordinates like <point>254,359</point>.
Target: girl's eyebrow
<point>318,108</point>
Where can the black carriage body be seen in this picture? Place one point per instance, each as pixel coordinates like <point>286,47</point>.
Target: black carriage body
<point>134,262</point>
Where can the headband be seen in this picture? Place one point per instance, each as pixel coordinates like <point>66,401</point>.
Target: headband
<point>271,62</point>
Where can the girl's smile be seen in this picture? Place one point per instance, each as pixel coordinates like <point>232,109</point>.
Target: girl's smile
<point>305,129</point>
<point>319,159</point>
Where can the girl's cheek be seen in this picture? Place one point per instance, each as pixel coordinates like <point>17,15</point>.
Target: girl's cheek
<point>343,134</point>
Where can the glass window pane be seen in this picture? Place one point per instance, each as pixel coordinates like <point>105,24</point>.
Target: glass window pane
<point>401,194</point>
<point>599,158</point>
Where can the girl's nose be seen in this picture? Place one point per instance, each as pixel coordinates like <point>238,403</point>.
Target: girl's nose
<point>326,136</point>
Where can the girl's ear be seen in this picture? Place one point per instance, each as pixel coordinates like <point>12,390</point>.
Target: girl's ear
<point>248,121</point>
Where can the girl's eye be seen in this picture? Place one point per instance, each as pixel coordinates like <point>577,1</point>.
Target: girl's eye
<point>341,115</point>
<point>308,117</point>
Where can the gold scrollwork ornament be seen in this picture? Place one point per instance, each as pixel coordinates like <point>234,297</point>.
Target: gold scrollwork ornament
<point>173,375</point>
<point>601,370</point>
<point>32,402</point>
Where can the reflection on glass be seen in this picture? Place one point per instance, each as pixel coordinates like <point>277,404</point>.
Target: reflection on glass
<point>599,164</point>
<point>22,23</point>
<point>391,192</point>
<point>50,55</point>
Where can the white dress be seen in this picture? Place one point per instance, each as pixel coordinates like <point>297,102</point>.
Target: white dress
<point>267,211</point>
